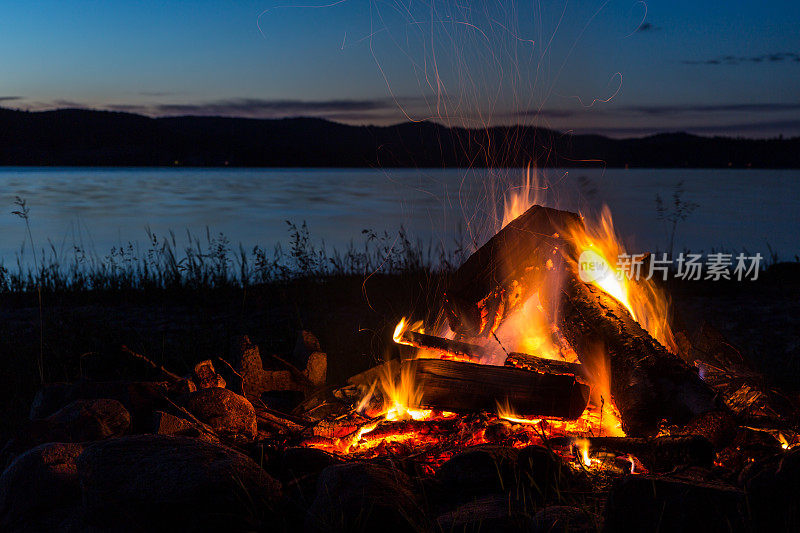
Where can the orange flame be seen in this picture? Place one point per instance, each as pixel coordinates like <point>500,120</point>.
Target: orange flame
<point>520,199</point>
<point>583,447</point>
<point>599,263</point>
<point>642,298</point>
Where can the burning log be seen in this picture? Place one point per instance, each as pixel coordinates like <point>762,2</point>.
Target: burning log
<point>542,365</point>
<point>457,349</point>
<point>648,383</point>
<point>446,347</point>
<point>658,454</point>
<point>459,387</point>
<point>504,272</point>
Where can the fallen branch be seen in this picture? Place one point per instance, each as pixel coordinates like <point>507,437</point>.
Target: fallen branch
<point>171,376</point>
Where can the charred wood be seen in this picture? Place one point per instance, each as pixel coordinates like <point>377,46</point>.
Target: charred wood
<point>459,387</point>
<point>648,383</point>
<point>505,271</point>
<point>542,365</point>
<point>659,454</point>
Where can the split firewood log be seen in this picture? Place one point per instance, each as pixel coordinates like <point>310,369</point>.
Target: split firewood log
<point>532,255</point>
<point>468,387</point>
<point>648,383</point>
<point>503,273</point>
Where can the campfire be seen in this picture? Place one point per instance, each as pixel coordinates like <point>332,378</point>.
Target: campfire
<point>527,353</point>
<point>548,374</point>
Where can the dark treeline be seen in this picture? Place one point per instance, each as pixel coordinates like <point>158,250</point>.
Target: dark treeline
<point>76,137</point>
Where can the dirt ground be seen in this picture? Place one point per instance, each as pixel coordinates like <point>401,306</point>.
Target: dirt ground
<point>81,334</point>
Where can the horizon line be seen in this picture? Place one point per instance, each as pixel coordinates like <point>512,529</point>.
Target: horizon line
<point>569,131</point>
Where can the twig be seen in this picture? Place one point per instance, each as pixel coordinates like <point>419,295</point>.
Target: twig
<point>202,425</point>
<point>231,367</point>
<point>171,375</point>
<point>297,373</point>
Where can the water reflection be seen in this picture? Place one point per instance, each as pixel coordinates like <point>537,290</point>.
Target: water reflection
<point>102,208</point>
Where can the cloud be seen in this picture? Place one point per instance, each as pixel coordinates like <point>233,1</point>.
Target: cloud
<point>156,93</point>
<point>661,110</point>
<point>264,108</point>
<point>9,98</point>
<point>334,109</point>
<point>775,57</point>
<point>715,108</point>
<point>647,26</point>
<point>754,129</point>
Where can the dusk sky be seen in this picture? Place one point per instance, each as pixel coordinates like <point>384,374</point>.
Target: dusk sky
<point>619,68</point>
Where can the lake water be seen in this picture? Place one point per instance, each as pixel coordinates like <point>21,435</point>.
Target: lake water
<point>101,208</point>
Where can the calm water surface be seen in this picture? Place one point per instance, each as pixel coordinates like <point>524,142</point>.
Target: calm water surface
<point>101,208</point>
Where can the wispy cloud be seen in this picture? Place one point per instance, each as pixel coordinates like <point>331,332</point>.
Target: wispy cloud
<point>776,57</point>
<point>663,110</point>
<point>156,93</point>
<point>715,108</point>
<point>335,109</point>
<point>262,107</point>
<point>647,26</point>
<point>754,129</point>
<point>9,98</point>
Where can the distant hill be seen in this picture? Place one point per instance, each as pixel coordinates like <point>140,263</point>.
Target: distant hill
<point>77,137</point>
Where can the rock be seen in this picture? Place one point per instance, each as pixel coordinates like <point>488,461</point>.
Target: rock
<point>255,380</point>
<point>364,497</point>
<point>773,491</point>
<point>230,414</point>
<point>300,469</point>
<point>563,519</point>
<point>155,482</point>
<point>205,377</point>
<point>672,503</point>
<point>79,421</point>
<point>40,488</point>
<point>182,386</point>
<point>495,513</point>
<point>167,424</point>
<point>140,398</point>
<point>308,355</point>
<point>478,471</point>
<point>307,343</point>
<point>88,420</point>
<point>543,472</point>
<point>317,368</point>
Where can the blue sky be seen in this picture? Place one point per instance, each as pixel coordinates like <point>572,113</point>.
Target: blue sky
<point>613,67</point>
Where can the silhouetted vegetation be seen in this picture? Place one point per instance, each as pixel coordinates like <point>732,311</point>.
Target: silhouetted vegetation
<point>75,137</point>
<point>211,261</point>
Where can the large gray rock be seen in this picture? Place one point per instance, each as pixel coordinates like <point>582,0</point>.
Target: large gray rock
<point>40,489</point>
<point>230,414</point>
<point>156,482</point>
<point>364,497</point>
